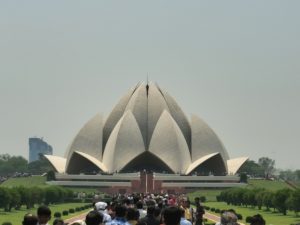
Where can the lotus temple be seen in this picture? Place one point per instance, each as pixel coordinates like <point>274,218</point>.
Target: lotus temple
<point>146,144</point>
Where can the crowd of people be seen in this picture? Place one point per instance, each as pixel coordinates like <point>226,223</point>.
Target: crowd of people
<point>141,210</point>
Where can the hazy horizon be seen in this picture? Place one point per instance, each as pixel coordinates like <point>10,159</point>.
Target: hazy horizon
<point>234,64</point>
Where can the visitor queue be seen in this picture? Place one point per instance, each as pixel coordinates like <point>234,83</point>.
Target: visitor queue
<point>141,210</point>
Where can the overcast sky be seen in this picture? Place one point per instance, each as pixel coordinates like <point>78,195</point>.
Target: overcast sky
<point>235,64</point>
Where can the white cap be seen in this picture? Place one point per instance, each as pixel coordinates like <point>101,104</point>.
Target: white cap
<point>100,206</point>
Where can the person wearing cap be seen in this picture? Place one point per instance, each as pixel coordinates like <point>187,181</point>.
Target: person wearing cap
<point>120,219</point>
<point>101,207</point>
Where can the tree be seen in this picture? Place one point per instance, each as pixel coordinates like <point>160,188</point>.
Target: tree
<point>268,166</point>
<point>268,199</point>
<point>294,201</point>
<point>15,199</point>
<point>50,175</point>
<point>26,196</point>
<point>243,178</point>
<point>39,167</point>
<point>297,172</point>
<point>259,198</point>
<point>52,195</point>
<point>287,175</point>
<point>5,198</point>
<point>12,164</point>
<point>37,195</point>
<point>280,200</point>
<point>251,168</point>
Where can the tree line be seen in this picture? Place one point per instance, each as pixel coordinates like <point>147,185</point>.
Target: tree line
<point>280,200</point>
<point>9,165</point>
<point>265,168</point>
<point>16,197</point>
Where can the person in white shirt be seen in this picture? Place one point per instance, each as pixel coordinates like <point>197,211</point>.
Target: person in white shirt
<point>101,207</point>
<point>183,220</point>
<point>140,206</point>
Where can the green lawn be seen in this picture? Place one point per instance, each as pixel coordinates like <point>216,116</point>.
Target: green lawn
<point>16,216</point>
<point>210,194</point>
<point>267,184</point>
<point>271,217</point>
<point>25,181</point>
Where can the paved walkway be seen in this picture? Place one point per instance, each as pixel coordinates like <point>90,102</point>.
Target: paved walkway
<point>78,217</point>
<point>214,218</point>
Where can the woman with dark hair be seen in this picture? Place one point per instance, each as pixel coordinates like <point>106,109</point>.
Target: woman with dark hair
<point>257,220</point>
<point>30,219</point>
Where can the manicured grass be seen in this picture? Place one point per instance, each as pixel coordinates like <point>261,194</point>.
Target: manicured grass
<point>16,216</point>
<point>210,194</point>
<point>25,181</point>
<point>267,184</point>
<point>271,217</point>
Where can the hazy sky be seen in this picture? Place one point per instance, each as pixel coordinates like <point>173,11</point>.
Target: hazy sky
<point>236,64</point>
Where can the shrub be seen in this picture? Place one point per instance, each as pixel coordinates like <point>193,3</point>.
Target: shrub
<point>87,200</point>
<point>217,211</point>
<point>82,208</point>
<point>77,209</point>
<point>212,209</point>
<point>239,216</point>
<point>65,213</point>
<point>203,199</point>
<point>71,210</point>
<point>248,219</point>
<point>87,206</point>
<point>7,223</point>
<point>57,215</point>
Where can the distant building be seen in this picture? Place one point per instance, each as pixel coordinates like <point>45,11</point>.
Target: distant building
<point>38,146</point>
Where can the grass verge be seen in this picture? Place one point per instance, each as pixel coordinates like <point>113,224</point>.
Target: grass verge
<point>16,216</point>
<point>270,217</point>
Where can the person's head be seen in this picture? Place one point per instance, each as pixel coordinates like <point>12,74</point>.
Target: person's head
<point>78,222</point>
<point>157,212</point>
<point>30,219</point>
<point>100,206</point>
<point>44,214</point>
<point>172,216</point>
<point>228,218</point>
<point>58,222</point>
<point>132,214</point>
<point>120,210</point>
<point>150,210</point>
<point>139,205</point>
<point>187,204</point>
<point>93,218</point>
<point>257,220</point>
<point>182,212</point>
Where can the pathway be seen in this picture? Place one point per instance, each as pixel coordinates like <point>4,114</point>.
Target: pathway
<point>214,218</point>
<point>78,217</point>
